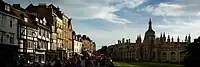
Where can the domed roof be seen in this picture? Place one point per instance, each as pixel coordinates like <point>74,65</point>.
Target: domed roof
<point>150,31</point>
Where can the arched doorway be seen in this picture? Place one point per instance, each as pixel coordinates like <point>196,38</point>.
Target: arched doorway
<point>164,56</point>
<point>154,55</point>
<point>173,56</point>
<point>182,55</point>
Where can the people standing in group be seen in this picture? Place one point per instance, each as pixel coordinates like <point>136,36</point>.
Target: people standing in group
<point>57,63</point>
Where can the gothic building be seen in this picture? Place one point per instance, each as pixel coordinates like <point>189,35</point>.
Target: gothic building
<point>158,49</point>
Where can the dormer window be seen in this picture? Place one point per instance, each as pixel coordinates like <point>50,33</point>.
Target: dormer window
<point>36,19</point>
<point>25,19</point>
<point>44,21</point>
<point>7,7</point>
<point>41,21</point>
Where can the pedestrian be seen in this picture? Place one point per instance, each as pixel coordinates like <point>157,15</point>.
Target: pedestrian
<point>82,64</point>
<point>52,62</point>
<point>57,63</point>
<point>102,62</point>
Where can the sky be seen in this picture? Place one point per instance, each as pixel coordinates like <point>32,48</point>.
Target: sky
<point>106,21</point>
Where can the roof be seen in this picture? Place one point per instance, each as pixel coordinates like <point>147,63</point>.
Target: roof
<point>18,13</point>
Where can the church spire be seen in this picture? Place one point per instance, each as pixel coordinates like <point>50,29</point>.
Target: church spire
<point>189,38</point>
<point>172,39</point>
<point>186,38</point>
<point>168,39</point>
<point>178,40</point>
<point>164,38</point>
<point>150,24</point>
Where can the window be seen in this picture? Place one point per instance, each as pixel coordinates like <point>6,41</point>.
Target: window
<point>7,7</point>
<point>164,54</point>
<point>44,21</point>
<point>34,33</point>
<point>2,35</point>
<point>11,23</point>
<point>12,38</point>
<point>173,56</point>
<point>30,44</point>
<point>39,31</point>
<point>39,45</point>
<point>44,33</point>
<point>41,21</point>
<point>25,19</point>
<point>30,32</point>
<point>1,18</point>
<point>36,19</point>
<point>47,34</point>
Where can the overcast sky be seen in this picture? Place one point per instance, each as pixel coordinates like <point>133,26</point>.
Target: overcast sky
<point>106,21</point>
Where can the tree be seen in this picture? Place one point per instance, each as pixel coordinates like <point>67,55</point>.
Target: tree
<point>192,57</point>
<point>103,50</point>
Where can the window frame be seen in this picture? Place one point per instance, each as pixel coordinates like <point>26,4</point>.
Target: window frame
<point>26,19</point>
<point>12,36</point>
<point>7,7</point>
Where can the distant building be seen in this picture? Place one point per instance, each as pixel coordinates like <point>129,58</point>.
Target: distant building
<point>161,49</point>
<point>78,44</point>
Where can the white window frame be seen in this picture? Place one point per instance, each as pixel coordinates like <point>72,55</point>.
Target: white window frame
<point>44,21</point>
<point>41,21</point>
<point>7,7</point>
<point>36,19</point>
<point>25,19</point>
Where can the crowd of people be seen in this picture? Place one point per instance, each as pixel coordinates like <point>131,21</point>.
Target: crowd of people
<point>75,61</point>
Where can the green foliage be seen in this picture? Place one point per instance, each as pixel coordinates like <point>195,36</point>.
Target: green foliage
<point>192,53</point>
<point>144,64</point>
<point>103,50</point>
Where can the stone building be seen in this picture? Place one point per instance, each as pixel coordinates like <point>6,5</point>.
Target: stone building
<point>78,44</point>
<point>88,44</point>
<point>152,48</point>
<point>8,35</point>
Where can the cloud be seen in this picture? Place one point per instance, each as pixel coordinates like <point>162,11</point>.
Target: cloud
<point>92,17</point>
<point>182,29</point>
<point>111,35</point>
<point>127,3</point>
<point>104,10</point>
<point>99,9</point>
<point>176,8</point>
<point>165,9</point>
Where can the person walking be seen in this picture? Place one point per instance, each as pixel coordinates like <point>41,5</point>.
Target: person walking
<point>82,64</point>
<point>57,63</point>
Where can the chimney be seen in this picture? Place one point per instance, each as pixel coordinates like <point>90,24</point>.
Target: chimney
<point>129,40</point>
<point>17,6</point>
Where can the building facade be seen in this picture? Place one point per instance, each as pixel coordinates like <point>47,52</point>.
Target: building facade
<point>160,49</point>
<point>37,33</point>
<point>8,35</point>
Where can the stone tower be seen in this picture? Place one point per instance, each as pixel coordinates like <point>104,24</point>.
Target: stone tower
<point>149,41</point>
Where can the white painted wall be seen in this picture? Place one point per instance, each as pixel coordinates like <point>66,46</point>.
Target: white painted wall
<point>77,46</point>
